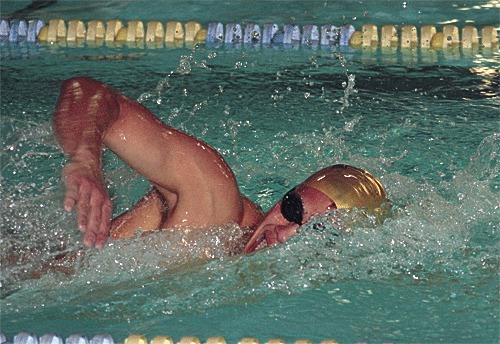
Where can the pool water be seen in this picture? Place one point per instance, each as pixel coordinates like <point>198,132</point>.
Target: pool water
<point>425,123</point>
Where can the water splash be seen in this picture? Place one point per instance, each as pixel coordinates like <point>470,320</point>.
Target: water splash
<point>186,65</point>
<point>348,85</point>
<point>35,228</point>
<point>427,234</point>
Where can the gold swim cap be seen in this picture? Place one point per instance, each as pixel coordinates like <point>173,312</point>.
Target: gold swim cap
<point>348,187</point>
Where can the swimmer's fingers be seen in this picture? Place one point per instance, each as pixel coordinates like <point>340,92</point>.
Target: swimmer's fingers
<point>98,219</point>
<point>93,206</point>
<point>77,194</point>
<point>75,187</point>
<point>71,197</point>
<point>103,232</point>
<point>83,206</point>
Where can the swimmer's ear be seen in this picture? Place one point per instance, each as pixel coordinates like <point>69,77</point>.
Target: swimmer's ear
<point>332,206</point>
<point>319,226</point>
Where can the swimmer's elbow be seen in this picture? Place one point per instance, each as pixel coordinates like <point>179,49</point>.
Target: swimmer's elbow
<point>86,96</point>
<point>80,81</point>
<point>85,110</point>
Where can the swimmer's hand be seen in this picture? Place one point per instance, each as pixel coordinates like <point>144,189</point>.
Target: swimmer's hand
<point>86,190</point>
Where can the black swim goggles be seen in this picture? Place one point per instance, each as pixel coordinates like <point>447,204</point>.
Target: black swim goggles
<point>292,207</point>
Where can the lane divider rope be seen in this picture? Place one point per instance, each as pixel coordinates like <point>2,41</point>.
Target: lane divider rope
<point>176,34</point>
<point>50,338</point>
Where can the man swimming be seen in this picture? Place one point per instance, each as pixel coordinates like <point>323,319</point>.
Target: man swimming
<point>192,184</point>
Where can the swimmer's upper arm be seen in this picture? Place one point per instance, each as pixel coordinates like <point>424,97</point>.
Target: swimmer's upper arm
<point>145,143</point>
<point>175,163</point>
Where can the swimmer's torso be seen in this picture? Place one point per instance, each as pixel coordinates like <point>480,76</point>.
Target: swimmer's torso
<point>152,213</point>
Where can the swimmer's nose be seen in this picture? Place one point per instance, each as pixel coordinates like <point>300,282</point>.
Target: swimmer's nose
<point>255,240</point>
<point>274,235</point>
<point>258,237</point>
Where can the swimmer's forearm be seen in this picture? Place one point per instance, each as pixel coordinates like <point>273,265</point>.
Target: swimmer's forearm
<point>85,110</point>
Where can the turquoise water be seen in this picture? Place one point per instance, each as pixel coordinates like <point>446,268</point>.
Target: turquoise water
<point>425,123</point>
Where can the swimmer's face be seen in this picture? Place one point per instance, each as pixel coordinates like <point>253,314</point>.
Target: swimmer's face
<point>285,218</point>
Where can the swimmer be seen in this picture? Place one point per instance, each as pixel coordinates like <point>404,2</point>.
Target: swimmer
<point>192,185</point>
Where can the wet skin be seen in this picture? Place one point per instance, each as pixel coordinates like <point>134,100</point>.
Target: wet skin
<point>192,184</point>
<point>275,229</point>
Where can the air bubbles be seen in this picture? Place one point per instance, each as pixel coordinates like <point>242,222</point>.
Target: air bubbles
<point>240,64</point>
<point>276,95</point>
<point>185,65</point>
<point>349,126</point>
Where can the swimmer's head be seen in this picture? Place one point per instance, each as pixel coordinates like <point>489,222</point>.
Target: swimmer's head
<point>348,187</point>
<point>334,187</point>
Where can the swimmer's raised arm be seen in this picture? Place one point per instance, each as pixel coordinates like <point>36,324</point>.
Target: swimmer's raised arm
<point>198,187</point>
<point>85,111</point>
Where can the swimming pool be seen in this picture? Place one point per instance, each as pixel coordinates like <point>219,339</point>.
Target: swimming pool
<point>424,122</point>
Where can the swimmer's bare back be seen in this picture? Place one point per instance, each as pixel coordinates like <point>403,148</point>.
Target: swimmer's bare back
<point>193,185</point>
